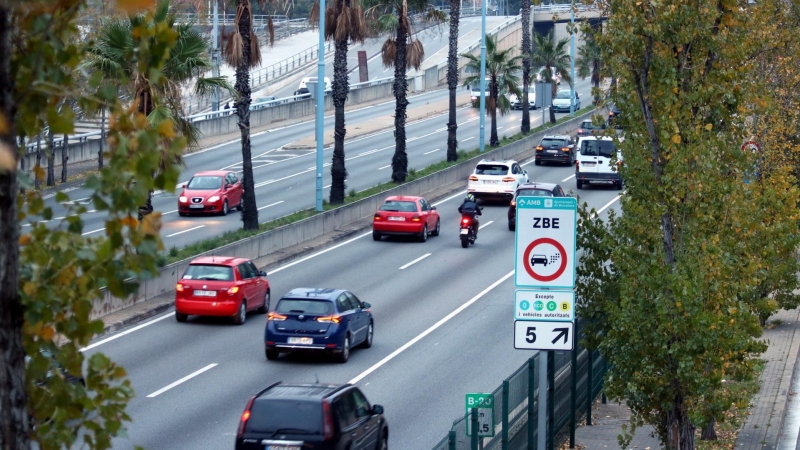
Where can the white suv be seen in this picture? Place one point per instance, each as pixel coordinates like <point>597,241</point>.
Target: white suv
<point>496,179</point>
<point>594,162</point>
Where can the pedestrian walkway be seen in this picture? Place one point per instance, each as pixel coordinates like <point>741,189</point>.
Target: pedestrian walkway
<point>768,409</point>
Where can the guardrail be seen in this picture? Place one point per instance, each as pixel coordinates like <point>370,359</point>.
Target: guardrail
<point>227,19</point>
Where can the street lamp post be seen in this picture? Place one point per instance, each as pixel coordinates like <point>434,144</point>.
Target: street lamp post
<point>320,121</point>
<point>483,73</point>
<point>572,60</point>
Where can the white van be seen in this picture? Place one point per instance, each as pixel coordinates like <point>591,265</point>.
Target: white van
<point>516,103</point>
<point>594,162</point>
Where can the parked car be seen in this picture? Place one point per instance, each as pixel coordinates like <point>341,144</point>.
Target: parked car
<point>561,103</point>
<point>406,215</point>
<point>541,79</point>
<point>264,102</point>
<point>594,162</point>
<point>302,89</point>
<point>496,179</point>
<point>614,113</point>
<point>555,148</point>
<point>221,286</point>
<point>317,416</point>
<point>318,320</point>
<point>516,103</point>
<point>588,128</point>
<point>212,191</point>
<point>531,190</point>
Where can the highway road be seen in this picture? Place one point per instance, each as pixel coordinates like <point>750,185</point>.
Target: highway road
<point>285,180</point>
<point>443,327</point>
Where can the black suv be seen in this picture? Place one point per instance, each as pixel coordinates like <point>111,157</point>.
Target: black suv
<point>312,416</point>
<point>531,190</point>
<point>560,148</point>
<point>588,128</point>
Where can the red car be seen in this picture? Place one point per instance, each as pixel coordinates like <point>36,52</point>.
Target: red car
<point>214,191</point>
<point>405,215</point>
<point>221,286</point>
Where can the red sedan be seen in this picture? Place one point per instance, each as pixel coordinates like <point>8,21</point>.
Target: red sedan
<point>405,215</point>
<point>221,286</point>
<point>214,191</point>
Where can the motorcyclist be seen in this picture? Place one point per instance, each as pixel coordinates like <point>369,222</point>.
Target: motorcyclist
<point>469,208</point>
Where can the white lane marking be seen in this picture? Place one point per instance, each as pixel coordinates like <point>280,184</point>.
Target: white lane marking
<point>568,178</point>
<point>324,165</point>
<point>185,231</point>
<point>91,232</point>
<point>169,212</point>
<point>136,328</point>
<point>384,167</point>
<point>415,261</point>
<point>499,128</point>
<point>430,330</point>
<point>182,380</point>
<point>359,109</point>
<point>599,211</point>
<point>263,183</point>
<point>273,204</point>
<point>326,187</point>
<point>428,153</point>
<point>465,140</point>
<point>486,224</point>
<point>318,253</point>
<point>460,193</point>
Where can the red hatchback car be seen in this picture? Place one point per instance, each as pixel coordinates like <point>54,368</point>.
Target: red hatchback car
<point>405,215</point>
<point>221,286</point>
<point>214,191</point>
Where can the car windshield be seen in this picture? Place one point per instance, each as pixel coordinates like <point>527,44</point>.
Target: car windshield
<point>392,205</point>
<point>550,142</point>
<point>302,306</point>
<point>563,94</point>
<point>214,182</point>
<point>534,193</point>
<point>595,147</point>
<point>208,272</point>
<point>285,416</point>
<point>491,169</point>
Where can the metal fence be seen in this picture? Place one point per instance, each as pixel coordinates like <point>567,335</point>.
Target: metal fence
<point>516,401</point>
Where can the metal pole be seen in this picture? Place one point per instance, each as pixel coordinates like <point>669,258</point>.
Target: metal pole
<point>573,390</point>
<point>473,419</point>
<point>320,123</point>
<point>451,440</point>
<point>541,431</point>
<point>551,401</point>
<point>504,436</point>
<point>572,61</point>
<point>589,393</point>
<point>215,57</point>
<point>483,73</point>
<point>531,401</point>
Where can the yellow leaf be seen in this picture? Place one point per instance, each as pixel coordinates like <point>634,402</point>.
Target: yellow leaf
<point>29,288</point>
<point>709,127</point>
<point>676,138</point>
<point>25,239</point>
<point>135,6</point>
<point>39,172</point>
<point>166,129</point>
<point>47,333</point>
<point>151,223</point>
<point>129,221</point>
<point>678,304</point>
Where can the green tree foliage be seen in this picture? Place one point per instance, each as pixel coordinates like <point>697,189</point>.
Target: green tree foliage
<point>554,58</point>
<point>674,284</point>
<point>589,62</point>
<point>52,279</point>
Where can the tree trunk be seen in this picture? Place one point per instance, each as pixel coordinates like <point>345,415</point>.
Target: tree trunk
<point>452,80</point>
<point>526,65</point>
<point>709,432</point>
<point>400,89</point>
<point>680,431</point>
<point>249,209</point>
<point>341,87</point>
<point>494,92</point>
<point>64,158</point>
<point>102,139</point>
<point>554,89</point>
<point>14,426</point>
<point>51,160</point>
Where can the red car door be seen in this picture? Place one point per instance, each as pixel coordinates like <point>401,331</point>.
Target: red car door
<point>248,285</point>
<point>261,285</point>
<point>235,191</point>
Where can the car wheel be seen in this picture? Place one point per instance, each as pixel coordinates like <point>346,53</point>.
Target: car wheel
<point>241,315</point>
<point>344,355</point>
<point>436,231</point>
<point>368,341</point>
<point>224,211</point>
<point>272,355</point>
<point>384,445</point>
<point>580,184</point>
<point>511,225</point>
<point>181,317</point>
<point>182,214</point>
<point>265,307</point>
<point>376,236</point>
<point>424,236</point>
<point>537,162</point>
<point>240,206</point>
<point>618,185</point>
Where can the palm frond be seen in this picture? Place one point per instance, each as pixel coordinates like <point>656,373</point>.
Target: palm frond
<point>233,50</point>
<point>387,23</point>
<point>358,23</point>
<point>330,22</point>
<point>271,31</point>
<point>205,86</point>
<point>388,52</point>
<point>343,25</point>
<point>255,50</point>
<point>415,54</point>
<point>313,16</point>
<point>435,16</point>
<point>503,104</point>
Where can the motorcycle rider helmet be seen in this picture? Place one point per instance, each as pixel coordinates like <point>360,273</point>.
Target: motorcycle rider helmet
<point>470,197</point>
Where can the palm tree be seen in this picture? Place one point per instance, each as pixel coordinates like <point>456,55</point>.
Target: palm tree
<point>590,64</point>
<point>241,51</point>
<point>344,20</point>
<point>526,64</point>
<point>401,50</point>
<point>554,57</point>
<point>452,79</point>
<point>112,53</point>
<point>500,70</point>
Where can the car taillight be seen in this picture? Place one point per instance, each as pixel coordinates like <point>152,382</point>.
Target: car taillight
<point>245,416</point>
<point>513,203</point>
<point>233,290</point>
<point>378,217</point>
<point>473,178</point>
<point>329,319</point>
<point>565,149</point>
<point>577,163</point>
<point>179,287</point>
<point>580,130</point>
<point>415,218</point>
<point>327,421</point>
<point>275,316</point>
<point>539,148</point>
<point>508,179</point>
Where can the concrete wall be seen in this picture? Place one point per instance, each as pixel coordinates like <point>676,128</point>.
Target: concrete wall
<point>280,238</point>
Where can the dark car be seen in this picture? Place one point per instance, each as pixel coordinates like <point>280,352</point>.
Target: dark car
<point>588,128</point>
<point>560,148</point>
<point>614,113</point>
<point>318,320</point>
<point>531,190</point>
<point>302,93</point>
<point>311,417</point>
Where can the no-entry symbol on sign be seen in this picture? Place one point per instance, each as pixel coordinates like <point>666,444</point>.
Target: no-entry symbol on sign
<point>546,238</point>
<point>545,259</point>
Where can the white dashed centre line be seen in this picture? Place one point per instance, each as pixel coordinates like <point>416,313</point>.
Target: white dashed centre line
<point>182,380</point>
<point>384,167</point>
<point>486,224</point>
<point>428,153</point>
<point>273,204</point>
<point>465,140</point>
<point>568,178</point>
<point>92,232</point>
<point>185,231</point>
<point>415,261</point>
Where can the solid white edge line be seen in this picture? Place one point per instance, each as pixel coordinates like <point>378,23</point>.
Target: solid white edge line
<point>486,224</point>
<point>185,231</point>
<point>384,167</point>
<point>182,380</point>
<point>568,178</point>
<point>599,211</point>
<point>465,140</point>
<point>273,204</point>
<point>91,232</point>
<point>136,328</point>
<point>428,153</point>
<point>430,330</point>
<point>415,261</point>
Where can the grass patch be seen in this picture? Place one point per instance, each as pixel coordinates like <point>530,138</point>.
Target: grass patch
<point>229,237</point>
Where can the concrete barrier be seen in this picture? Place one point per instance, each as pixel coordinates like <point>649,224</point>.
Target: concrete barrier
<point>277,239</point>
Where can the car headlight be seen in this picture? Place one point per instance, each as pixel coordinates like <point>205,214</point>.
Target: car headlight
<point>213,199</point>
<point>183,199</point>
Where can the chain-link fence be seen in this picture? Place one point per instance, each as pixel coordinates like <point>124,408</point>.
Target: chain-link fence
<point>515,402</point>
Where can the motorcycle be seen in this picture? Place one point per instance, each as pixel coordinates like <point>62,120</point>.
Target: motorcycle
<point>467,232</point>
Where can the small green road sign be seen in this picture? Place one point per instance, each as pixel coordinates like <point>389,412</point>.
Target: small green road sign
<point>484,403</point>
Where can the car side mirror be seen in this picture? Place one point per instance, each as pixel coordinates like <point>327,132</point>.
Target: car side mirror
<point>377,409</point>
<point>480,208</point>
<point>227,186</point>
<point>183,185</point>
<point>261,273</point>
<point>366,305</point>
<point>525,172</point>
<point>433,208</point>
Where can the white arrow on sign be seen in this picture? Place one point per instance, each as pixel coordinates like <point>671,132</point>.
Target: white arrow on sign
<point>537,335</point>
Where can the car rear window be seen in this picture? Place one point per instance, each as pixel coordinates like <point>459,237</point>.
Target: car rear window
<point>534,193</point>
<point>210,182</point>
<point>302,306</point>
<point>285,415</point>
<point>550,142</point>
<point>491,169</point>
<point>399,206</point>
<point>208,272</point>
<point>594,147</point>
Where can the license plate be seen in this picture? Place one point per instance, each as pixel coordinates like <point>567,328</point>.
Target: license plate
<point>588,164</point>
<point>301,340</point>
<point>399,219</point>
<point>552,151</point>
<point>465,231</point>
<point>196,206</point>
<point>281,447</point>
<point>490,181</point>
<point>205,293</point>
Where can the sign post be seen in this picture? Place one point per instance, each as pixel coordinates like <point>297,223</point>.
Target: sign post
<point>484,404</point>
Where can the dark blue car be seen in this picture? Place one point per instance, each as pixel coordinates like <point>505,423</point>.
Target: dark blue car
<point>318,320</point>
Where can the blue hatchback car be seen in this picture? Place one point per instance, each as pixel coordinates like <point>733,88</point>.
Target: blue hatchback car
<point>318,320</point>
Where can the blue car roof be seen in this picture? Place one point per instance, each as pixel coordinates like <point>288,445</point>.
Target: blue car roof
<point>316,293</point>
